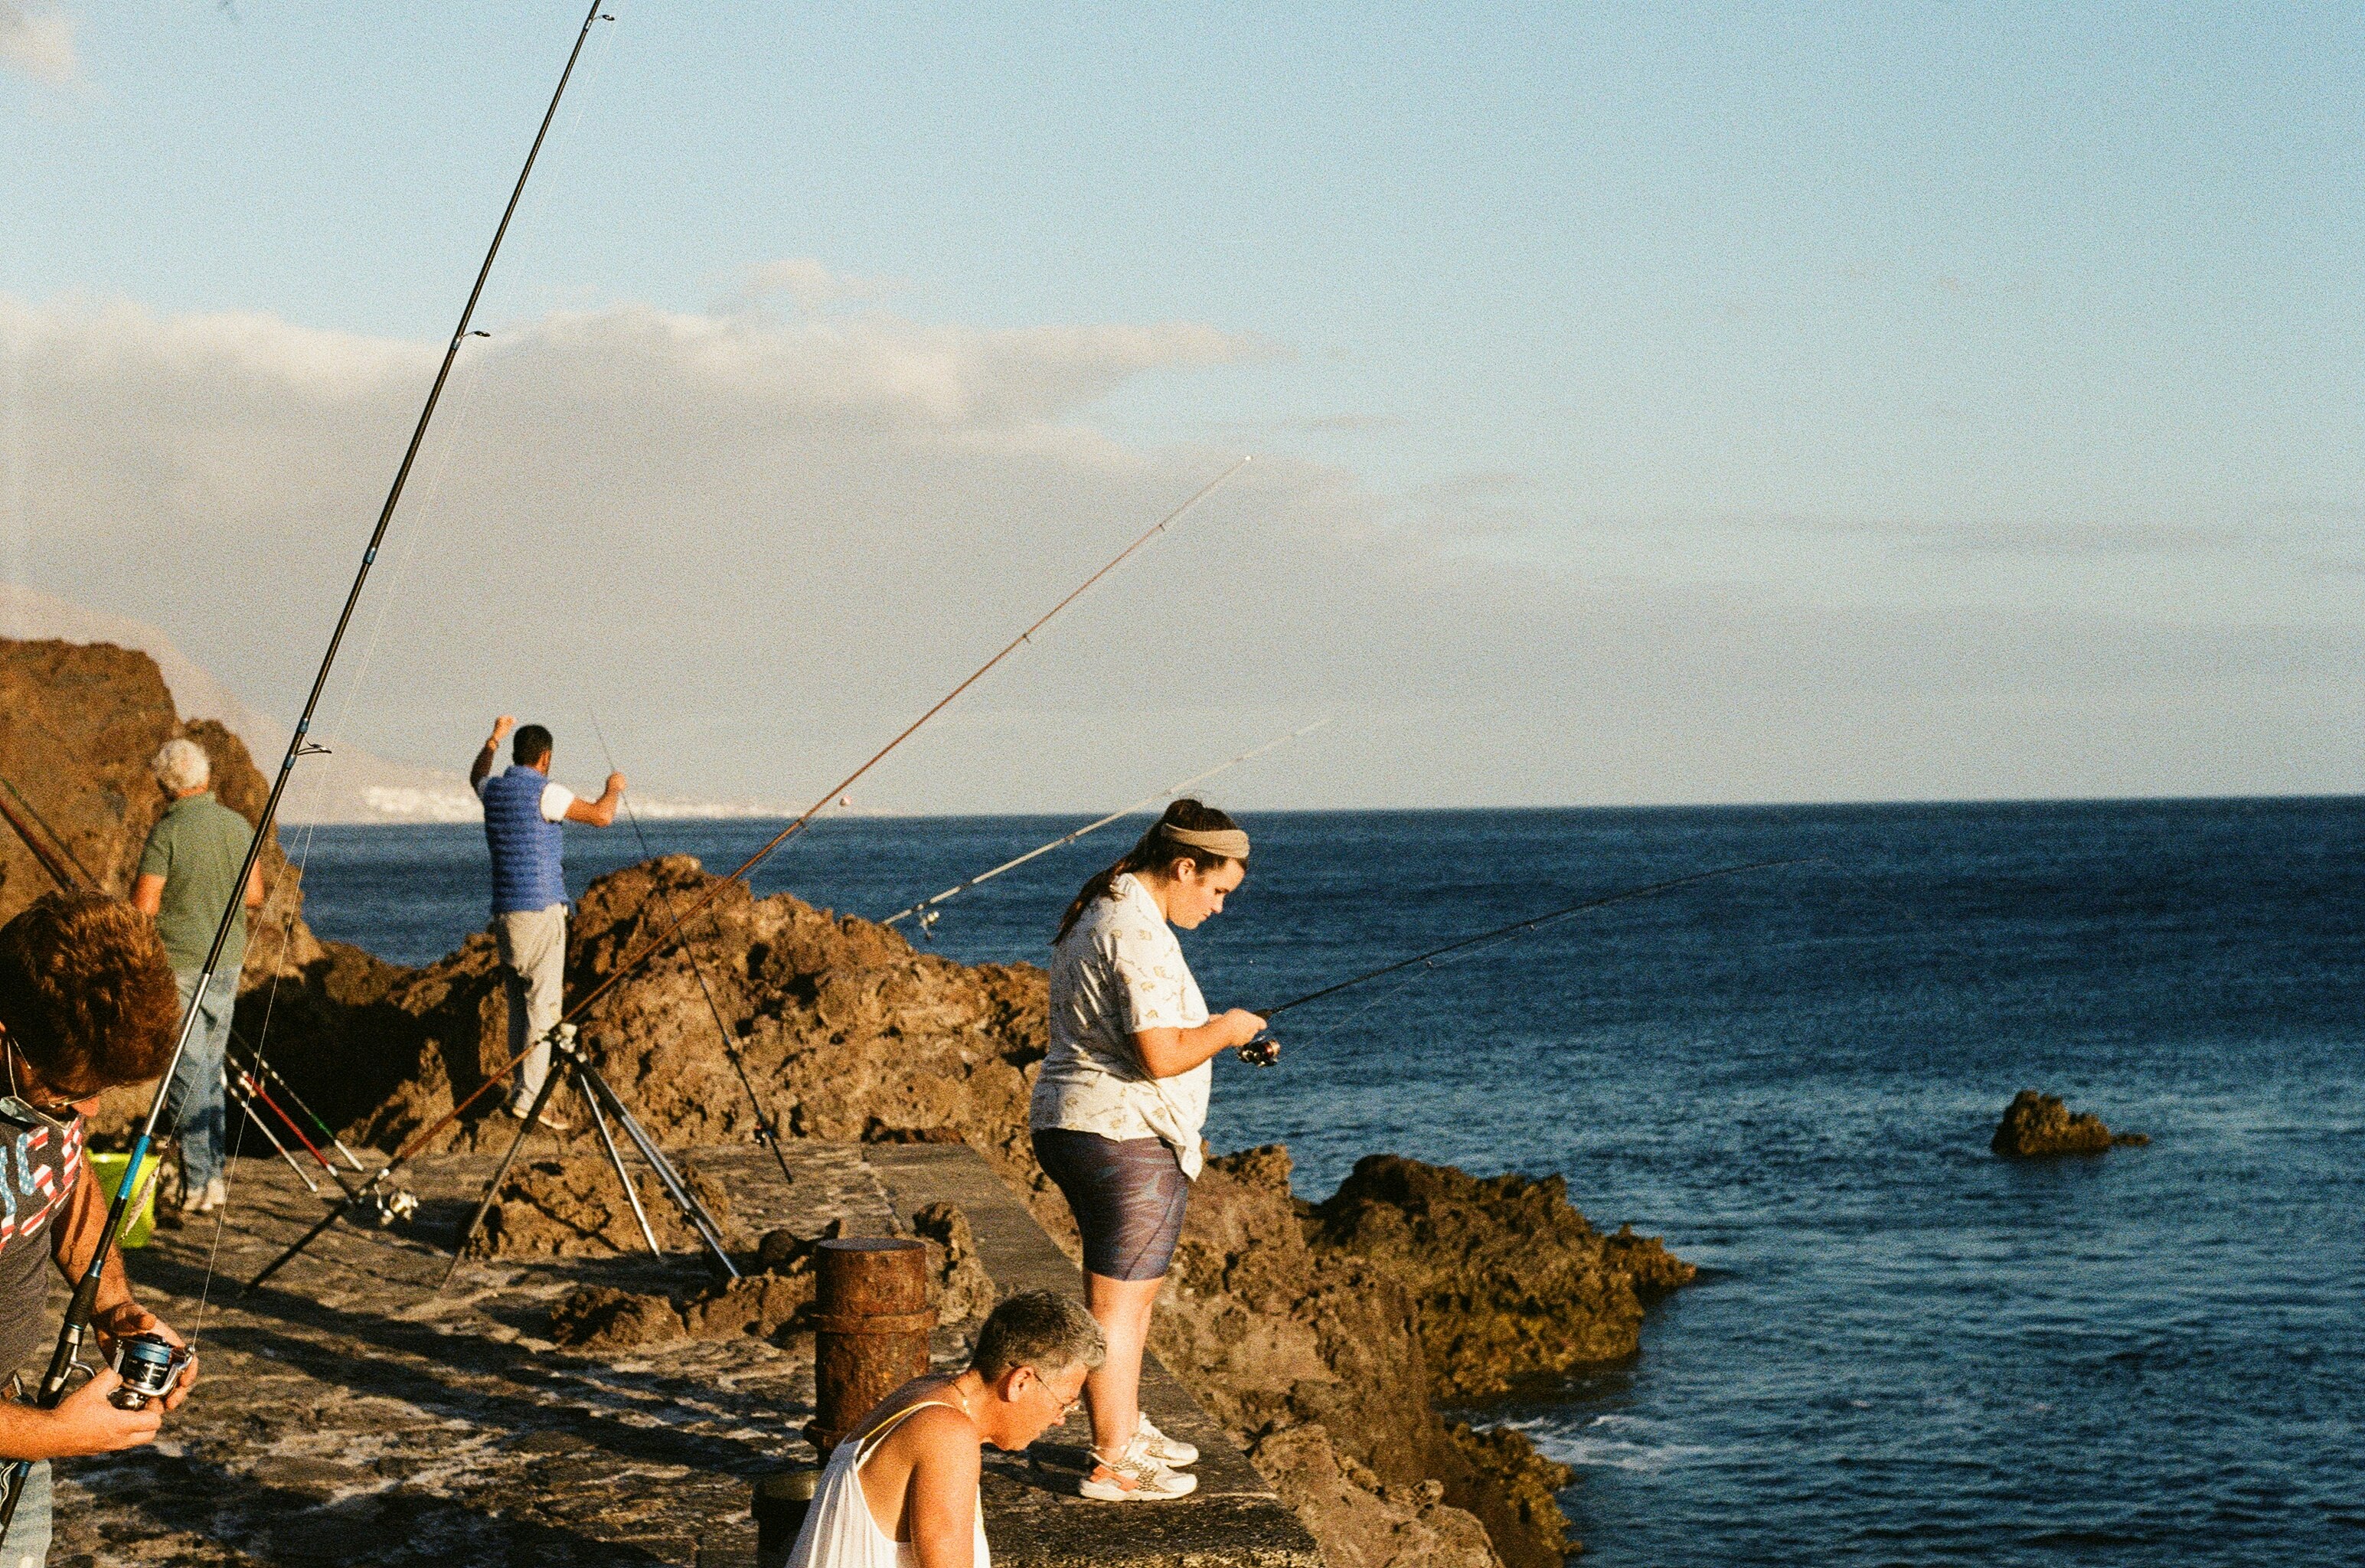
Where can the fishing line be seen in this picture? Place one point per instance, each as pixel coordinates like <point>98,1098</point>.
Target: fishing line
<point>926,907</point>
<point>633,959</point>
<point>56,838</point>
<point>460,435</point>
<point>1264,1050</point>
<point>75,1328</point>
<point>767,1130</point>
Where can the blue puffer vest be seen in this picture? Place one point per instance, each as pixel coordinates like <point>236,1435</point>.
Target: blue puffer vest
<point>527,872</point>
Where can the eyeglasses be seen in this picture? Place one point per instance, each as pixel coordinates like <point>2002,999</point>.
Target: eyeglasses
<point>55,1110</point>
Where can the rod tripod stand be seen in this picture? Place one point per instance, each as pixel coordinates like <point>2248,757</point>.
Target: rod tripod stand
<point>569,1064</point>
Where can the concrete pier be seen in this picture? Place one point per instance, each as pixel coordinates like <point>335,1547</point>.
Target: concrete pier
<point>349,1413</point>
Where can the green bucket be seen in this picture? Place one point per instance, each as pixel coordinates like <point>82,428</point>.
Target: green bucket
<point>141,1223</point>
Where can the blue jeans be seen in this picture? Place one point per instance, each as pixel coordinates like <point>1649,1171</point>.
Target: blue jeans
<point>194,1109</point>
<point>28,1533</point>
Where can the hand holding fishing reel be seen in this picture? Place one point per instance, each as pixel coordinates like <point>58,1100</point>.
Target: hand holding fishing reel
<point>1262,1049</point>
<point>149,1365</point>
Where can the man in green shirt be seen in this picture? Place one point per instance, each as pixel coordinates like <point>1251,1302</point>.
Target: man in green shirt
<point>185,880</point>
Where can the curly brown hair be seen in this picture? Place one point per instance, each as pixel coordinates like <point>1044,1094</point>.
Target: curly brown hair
<point>86,990</point>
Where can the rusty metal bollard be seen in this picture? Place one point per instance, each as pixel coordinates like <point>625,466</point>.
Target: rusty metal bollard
<point>872,1319</point>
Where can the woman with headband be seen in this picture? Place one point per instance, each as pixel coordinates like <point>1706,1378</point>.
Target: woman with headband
<point>1118,1110</point>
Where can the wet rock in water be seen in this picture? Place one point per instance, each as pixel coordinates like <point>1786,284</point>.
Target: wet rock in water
<point>1528,1479</point>
<point>1512,1282</point>
<point>1312,1358</point>
<point>574,1207</point>
<point>1359,1520</point>
<point>2039,1126</point>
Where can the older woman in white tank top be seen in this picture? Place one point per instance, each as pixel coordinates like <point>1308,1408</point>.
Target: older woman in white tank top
<point>901,1491</point>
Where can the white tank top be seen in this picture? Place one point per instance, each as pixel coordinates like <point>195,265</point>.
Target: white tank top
<point>839,1532</point>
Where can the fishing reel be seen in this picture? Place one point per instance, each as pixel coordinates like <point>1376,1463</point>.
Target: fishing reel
<point>926,921</point>
<point>382,1209</point>
<point>1262,1051</point>
<point>149,1365</point>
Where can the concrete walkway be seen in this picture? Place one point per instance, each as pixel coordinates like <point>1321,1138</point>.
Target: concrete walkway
<point>351,1413</point>
<point>1032,1517</point>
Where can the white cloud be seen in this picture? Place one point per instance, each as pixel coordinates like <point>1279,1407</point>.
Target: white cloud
<point>39,41</point>
<point>811,285</point>
<point>755,547</point>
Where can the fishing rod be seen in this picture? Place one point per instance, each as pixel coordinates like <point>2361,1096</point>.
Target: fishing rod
<point>288,1089</point>
<point>47,854</point>
<point>68,881</point>
<point>657,943</point>
<point>767,1129</point>
<point>76,1328</point>
<point>927,908</point>
<point>239,1074</point>
<point>241,1085</point>
<point>1264,1050</point>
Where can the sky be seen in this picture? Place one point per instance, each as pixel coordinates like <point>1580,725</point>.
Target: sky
<point>1648,404</point>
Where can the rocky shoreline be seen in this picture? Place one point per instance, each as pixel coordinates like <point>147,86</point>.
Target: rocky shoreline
<point>1326,1337</point>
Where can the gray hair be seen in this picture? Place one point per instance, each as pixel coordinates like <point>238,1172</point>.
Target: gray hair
<point>1042,1329</point>
<point>182,765</point>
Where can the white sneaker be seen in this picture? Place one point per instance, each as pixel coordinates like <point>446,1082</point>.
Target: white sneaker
<point>1172,1452</point>
<point>204,1200</point>
<point>217,1194</point>
<point>1135,1477</point>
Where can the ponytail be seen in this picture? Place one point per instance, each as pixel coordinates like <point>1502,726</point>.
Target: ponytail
<point>1156,853</point>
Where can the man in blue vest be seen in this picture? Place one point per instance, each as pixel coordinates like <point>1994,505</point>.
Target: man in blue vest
<point>522,812</point>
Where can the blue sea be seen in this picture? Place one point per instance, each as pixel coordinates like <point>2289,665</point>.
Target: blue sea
<point>1901,1348</point>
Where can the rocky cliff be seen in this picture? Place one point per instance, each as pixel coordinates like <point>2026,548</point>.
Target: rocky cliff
<point>79,723</point>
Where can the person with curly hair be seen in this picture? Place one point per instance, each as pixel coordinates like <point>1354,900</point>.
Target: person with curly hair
<point>88,1000</point>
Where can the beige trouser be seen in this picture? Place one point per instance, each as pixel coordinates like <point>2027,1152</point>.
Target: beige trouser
<point>533,972</point>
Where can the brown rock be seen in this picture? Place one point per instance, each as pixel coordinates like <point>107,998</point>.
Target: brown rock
<point>594,1317</point>
<point>761,1304</point>
<point>844,1030</point>
<point>1528,1480</point>
<point>1512,1282</point>
<point>2039,1126</point>
<point>1272,1334</point>
<point>1359,1520</point>
<point>959,1287</point>
<point>79,723</point>
<point>574,1207</point>
<point>1276,1317</point>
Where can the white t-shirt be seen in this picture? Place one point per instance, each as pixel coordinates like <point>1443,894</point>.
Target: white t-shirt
<point>1121,971</point>
<point>555,798</point>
